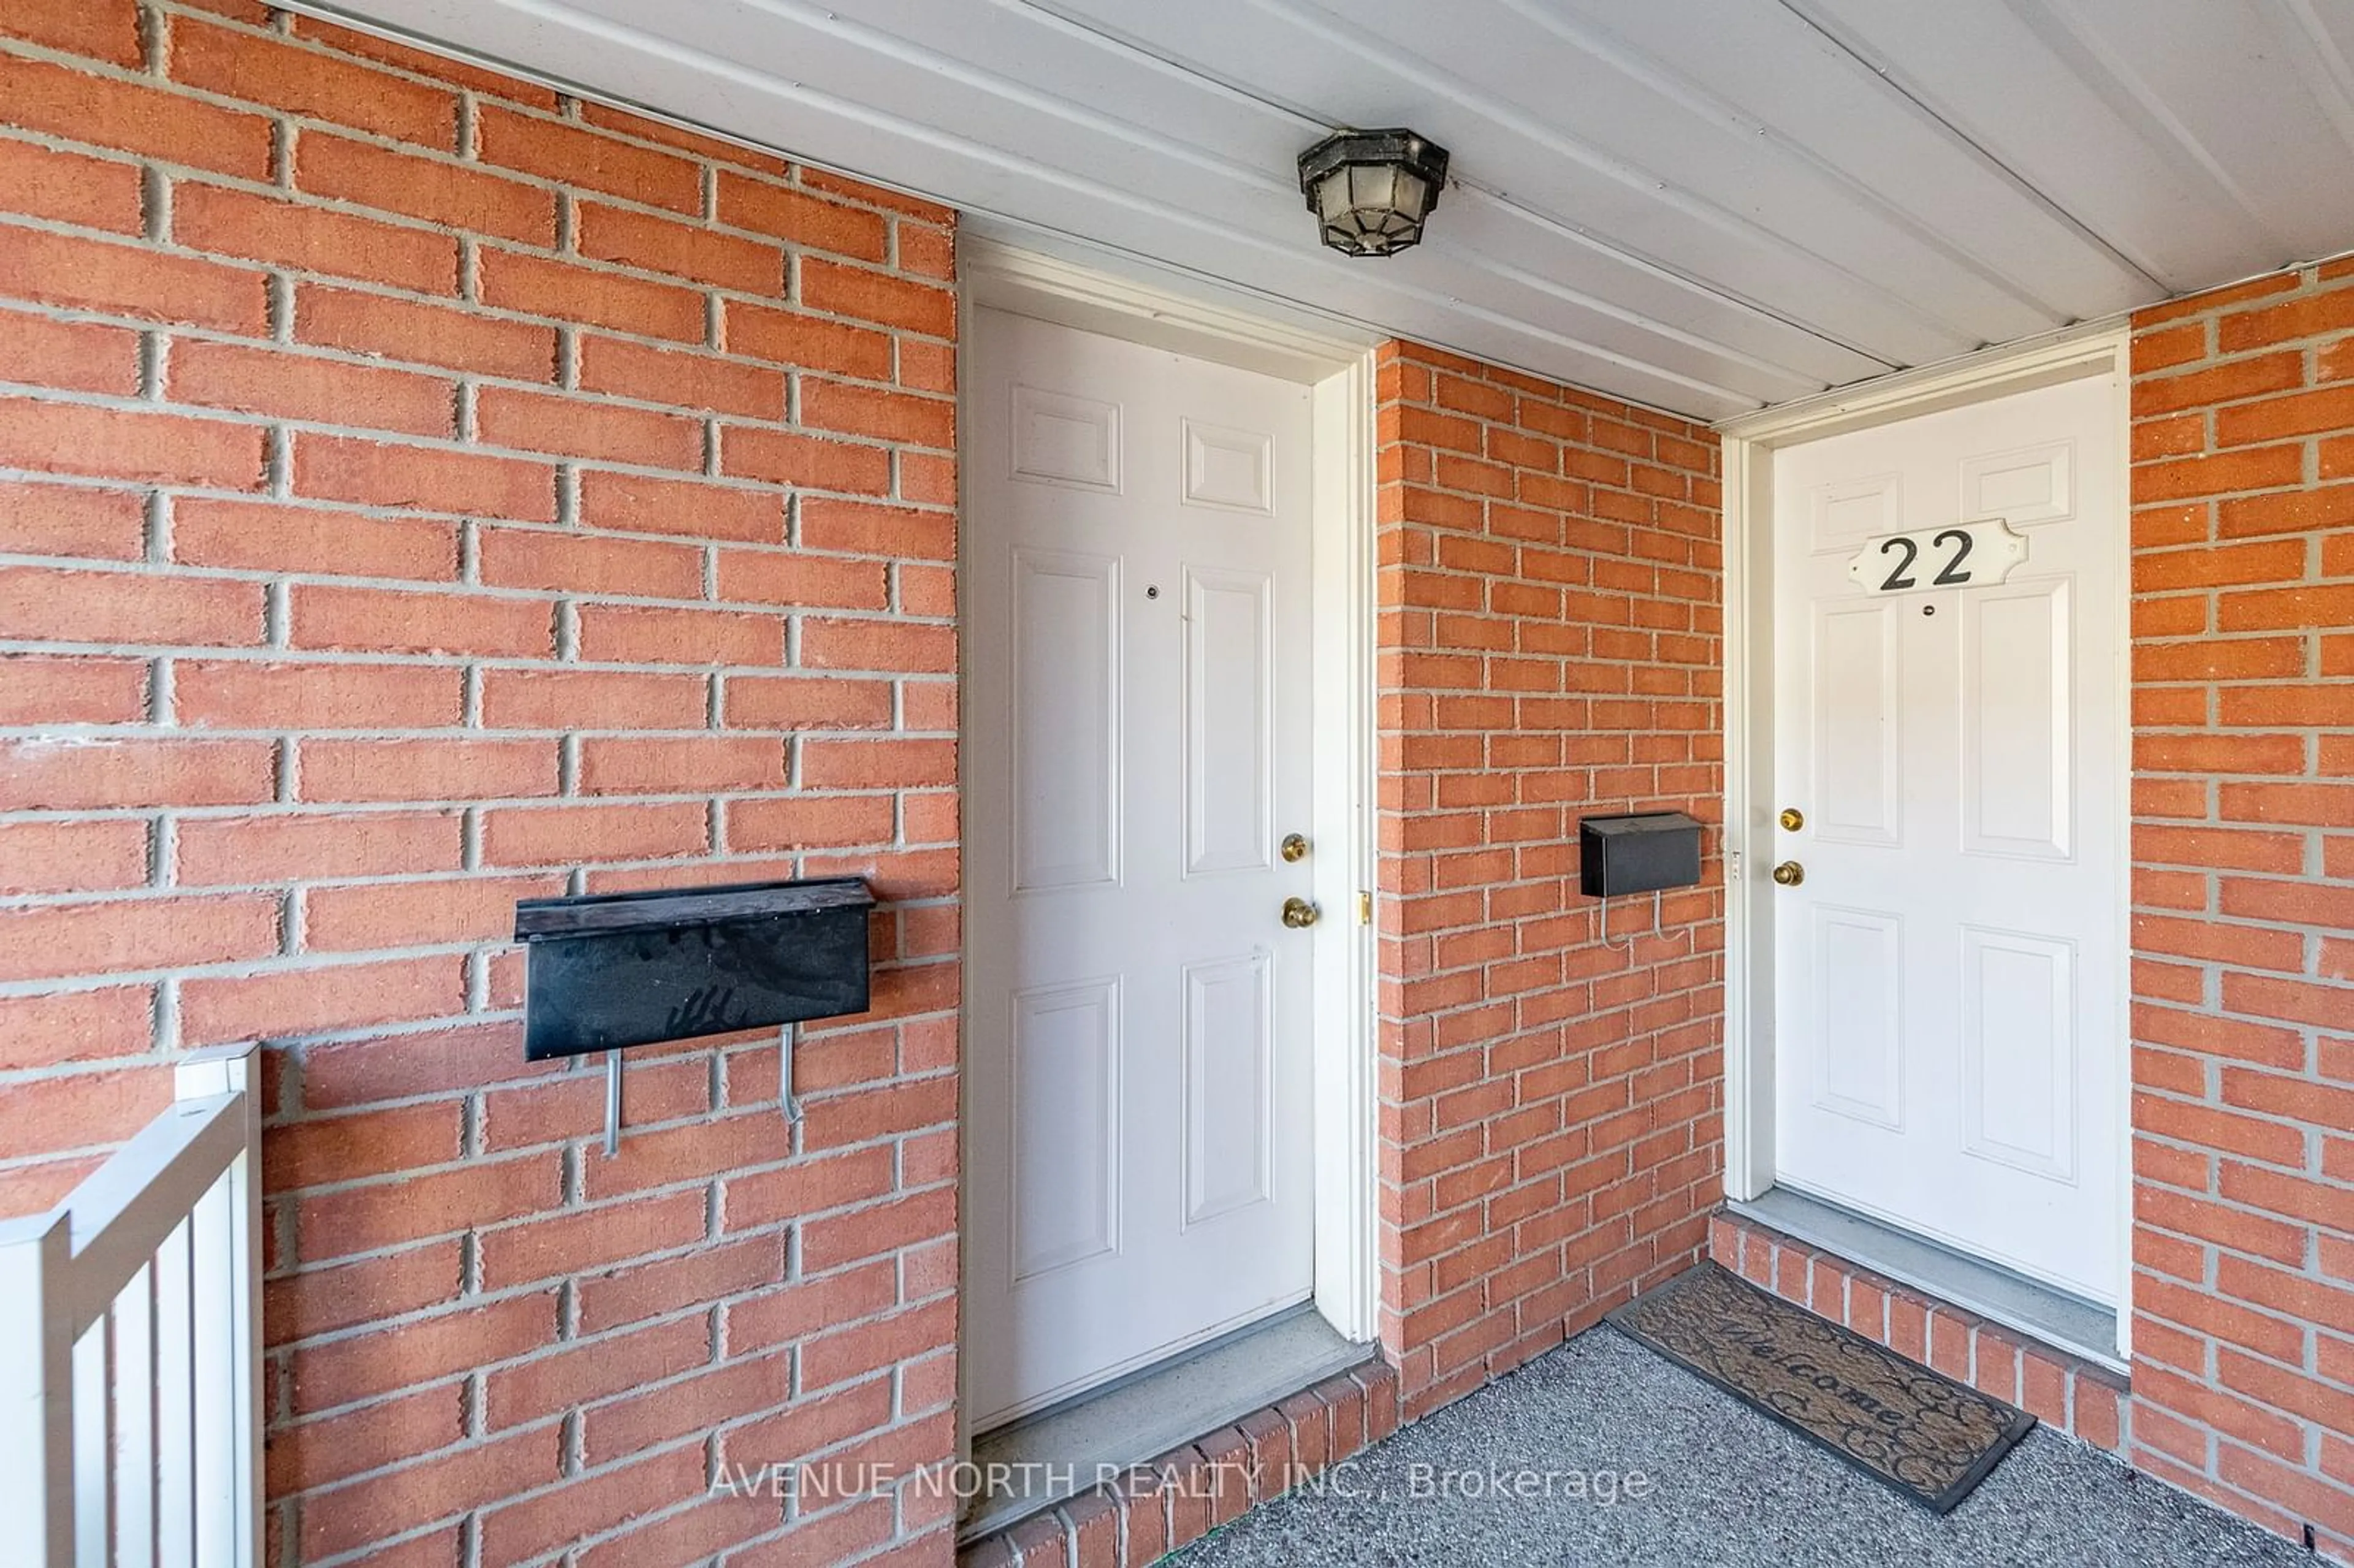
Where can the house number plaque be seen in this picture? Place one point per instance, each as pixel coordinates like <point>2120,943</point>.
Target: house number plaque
<point>1961,555</point>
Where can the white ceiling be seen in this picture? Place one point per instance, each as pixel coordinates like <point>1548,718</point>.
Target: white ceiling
<point>1706,206</point>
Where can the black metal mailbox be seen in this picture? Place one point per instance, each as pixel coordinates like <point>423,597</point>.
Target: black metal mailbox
<point>1638,853</point>
<point>632,968</point>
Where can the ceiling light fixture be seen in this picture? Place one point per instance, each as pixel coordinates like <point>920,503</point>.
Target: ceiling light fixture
<point>1371,190</point>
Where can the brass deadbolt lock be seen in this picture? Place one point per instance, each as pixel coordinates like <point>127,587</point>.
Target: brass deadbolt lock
<point>1299,913</point>
<point>1293,849</point>
<point>1793,819</point>
<point>1789,873</point>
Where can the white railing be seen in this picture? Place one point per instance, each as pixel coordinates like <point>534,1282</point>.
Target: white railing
<point>130,1345</point>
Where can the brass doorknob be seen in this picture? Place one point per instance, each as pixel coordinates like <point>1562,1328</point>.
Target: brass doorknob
<point>1299,913</point>
<point>1789,873</point>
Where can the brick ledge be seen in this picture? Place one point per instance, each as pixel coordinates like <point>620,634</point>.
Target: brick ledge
<point>2075,1396</point>
<point>1181,1497</point>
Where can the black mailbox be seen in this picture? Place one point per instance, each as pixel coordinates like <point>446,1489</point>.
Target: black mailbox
<point>632,968</point>
<point>1638,853</point>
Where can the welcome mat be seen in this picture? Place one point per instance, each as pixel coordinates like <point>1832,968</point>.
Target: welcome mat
<point>1931,1438</point>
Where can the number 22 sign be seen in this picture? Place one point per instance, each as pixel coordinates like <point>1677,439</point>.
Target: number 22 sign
<point>1964,555</point>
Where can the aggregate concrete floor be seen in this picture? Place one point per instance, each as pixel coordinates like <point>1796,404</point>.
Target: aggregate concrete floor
<point>1727,1487</point>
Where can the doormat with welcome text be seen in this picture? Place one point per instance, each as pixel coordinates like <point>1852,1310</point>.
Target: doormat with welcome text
<point>1929,1437</point>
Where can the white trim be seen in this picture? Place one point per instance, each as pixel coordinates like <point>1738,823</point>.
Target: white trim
<point>2122,369</point>
<point>1750,442</point>
<point>2061,355</point>
<point>1748,943</point>
<point>964,417</point>
<point>1339,374</point>
<point>1346,1081</point>
<point>1032,283</point>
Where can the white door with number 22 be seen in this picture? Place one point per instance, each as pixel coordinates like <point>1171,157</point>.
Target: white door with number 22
<point>1947,961</point>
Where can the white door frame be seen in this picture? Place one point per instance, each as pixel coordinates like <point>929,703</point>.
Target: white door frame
<point>1750,442</point>
<point>1340,374</point>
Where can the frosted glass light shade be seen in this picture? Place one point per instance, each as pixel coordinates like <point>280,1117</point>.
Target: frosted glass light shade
<point>1372,190</point>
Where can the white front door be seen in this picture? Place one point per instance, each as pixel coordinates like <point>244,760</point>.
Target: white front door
<point>1947,975</point>
<point>1137,748</point>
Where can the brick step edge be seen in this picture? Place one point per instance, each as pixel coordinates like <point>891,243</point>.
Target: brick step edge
<point>1182,1496</point>
<point>2074,1397</point>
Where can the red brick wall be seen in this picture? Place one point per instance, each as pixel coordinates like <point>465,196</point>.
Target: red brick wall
<point>416,493</point>
<point>2243,898</point>
<point>1551,645</point>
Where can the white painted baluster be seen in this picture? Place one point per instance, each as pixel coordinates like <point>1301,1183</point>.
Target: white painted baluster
<point>36,1449</point>
<point>227,1346</point>
<point>135,1422</point>
<point>175,1416</point>
<point>215,1478</point>
<point>93,1443</point>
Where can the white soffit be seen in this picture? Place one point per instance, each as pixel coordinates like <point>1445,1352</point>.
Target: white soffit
<point>1705,206</point>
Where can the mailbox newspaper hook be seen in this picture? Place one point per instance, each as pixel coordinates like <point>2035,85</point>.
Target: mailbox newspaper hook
<point>785,1043</point>
<point>613,1103</point>
<point>1602,921</point>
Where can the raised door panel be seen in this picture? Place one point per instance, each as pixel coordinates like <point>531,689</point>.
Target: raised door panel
<point>1859,723</point>
<point>1231,469</point>
<point>1858,1009</point>
<point>2030,486</point>
<point>1229,708</point>
<point>1067,1126</point>
<point>1065,440</point>
<point>1229,1073</point>
<point>2020,1050</point>
<point>1846,512</point>
<point>2017,791</point>
<point>1067,721</point>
